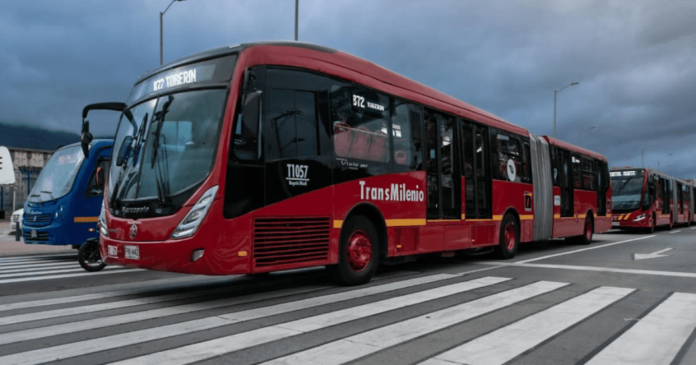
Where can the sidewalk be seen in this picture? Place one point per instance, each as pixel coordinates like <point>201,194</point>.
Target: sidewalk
<point>10,247</point>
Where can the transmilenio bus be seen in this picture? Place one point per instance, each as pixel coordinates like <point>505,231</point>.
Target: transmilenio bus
<point>272,156</point>
<point>647,199</point>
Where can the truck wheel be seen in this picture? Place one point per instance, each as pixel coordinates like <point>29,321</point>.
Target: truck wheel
<point>509,238</point>
<point>358,255</point>
<point>587,232</point>
<point>89,257</point>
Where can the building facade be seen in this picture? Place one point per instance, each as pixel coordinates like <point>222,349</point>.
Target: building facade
<point>27,165</point>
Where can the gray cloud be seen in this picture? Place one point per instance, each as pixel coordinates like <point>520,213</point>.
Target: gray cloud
<point>634,60</point>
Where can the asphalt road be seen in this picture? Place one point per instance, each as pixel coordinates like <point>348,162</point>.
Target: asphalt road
<point>555,303</point>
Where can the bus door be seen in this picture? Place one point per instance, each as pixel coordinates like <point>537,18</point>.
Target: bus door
<point>442,178</point>
<point>477,183</point>
<point>566,179</point>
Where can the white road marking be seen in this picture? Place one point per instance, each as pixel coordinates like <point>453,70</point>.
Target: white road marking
<point>656,254</point>
<point>354,347</point>
<point>506,343</point>
<point>29,266</point>
<point>57,271</point>
<point>102,322</point>
<point>675,231</point>
<point>124,270</point>
<point>29,271</point>
<point>35,257</point>
<point>223,345</point>
<point>609,269</point>
<point>692,228</point>
<point>581,250</point>
<point>655,339</point>
<point>130,338</point>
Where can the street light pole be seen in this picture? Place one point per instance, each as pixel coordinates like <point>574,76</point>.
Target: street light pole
<point>555,92</point>
<point>297,10</point>
<point>161,32</point>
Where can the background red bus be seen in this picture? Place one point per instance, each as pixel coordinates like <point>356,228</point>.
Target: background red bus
<point>647,199</point>
<point>274,156</point>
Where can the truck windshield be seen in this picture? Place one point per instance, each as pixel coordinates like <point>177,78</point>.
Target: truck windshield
<point>57,177</point>
<point>626,192</point>
<point>167,148</point>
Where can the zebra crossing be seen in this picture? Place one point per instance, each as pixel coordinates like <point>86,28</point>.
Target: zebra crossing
<point>48,267</point>
<point>318,323</point>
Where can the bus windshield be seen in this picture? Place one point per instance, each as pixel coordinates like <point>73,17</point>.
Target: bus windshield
<point>57,177</point>
<point>167,148</point>
<point>626,192</point>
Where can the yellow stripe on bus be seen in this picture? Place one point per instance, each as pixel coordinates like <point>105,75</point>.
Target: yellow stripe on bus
<point>582,216</point>
<point>526,217</point>
<point>557,216</point>
<point>86,219</point>
<point>337,223</point>
<point>405,222</point>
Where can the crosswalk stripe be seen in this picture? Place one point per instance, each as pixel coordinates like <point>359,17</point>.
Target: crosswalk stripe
<point>51,271</point>
<point>121,270</point>
<point>223,345</point>
<point>363,344</point>
<point>35,257</point>
<point>102,322</point>
<point>115,341</point>
<point>40,269</point>
<point>505,344</point>
<point>37,260</point>
<point>655,339</point>
<point>28,266</point>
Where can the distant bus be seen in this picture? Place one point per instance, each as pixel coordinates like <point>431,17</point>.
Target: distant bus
<point>647,199</point>
<point>274,156</point>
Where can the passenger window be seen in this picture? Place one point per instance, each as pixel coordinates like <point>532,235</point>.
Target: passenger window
<point>510,166</point>
<point>577,171</point>
<point>406,133</point>
<point>293,124</point>
<point>360,119</point>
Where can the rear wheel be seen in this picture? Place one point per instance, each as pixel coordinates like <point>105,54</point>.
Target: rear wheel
<point>358,255</point>
<point>588,232</point>
<point>89,257</point>
<point>509,238</point>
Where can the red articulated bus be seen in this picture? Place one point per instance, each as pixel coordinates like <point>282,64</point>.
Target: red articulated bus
<point>647,199</point>
<point>274,156</point>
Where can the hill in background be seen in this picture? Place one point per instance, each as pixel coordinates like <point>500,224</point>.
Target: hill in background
<point>24,136</point>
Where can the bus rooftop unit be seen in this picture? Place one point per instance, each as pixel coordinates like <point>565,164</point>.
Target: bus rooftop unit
<point>647,199</point>
<point>280,155</point>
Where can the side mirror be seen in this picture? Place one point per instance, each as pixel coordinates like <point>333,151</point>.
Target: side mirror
<point>85,138</point>
<point>124,151</point>
<point>100,177</point>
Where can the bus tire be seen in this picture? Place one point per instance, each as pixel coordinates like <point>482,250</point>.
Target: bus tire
<point>89,257</point>
<point>651,224</point>
<point>587,232</point>
<point>509,239</point>
<point>358,255</point>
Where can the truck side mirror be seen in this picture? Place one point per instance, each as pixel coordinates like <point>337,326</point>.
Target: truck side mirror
<point>85,138</point>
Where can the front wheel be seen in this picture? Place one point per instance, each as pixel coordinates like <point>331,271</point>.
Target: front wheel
<point>509,238</point>
<point>89,257</point>
<point>651,225</point>
<point>588,231</point>
<point>358,254</point>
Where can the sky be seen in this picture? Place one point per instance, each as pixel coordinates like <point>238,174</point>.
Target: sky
<point>634,60</point>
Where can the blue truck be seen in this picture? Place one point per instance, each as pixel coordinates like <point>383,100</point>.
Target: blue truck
<point>65,202</point>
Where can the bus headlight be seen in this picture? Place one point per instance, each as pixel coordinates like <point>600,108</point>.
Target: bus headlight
<point>102,223</point>
<point>639,218</point>
<point>189,225</point>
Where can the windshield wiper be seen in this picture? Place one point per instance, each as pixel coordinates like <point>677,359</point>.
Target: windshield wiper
<point>134,151</point>
<point>36,196</point>
<point>162,171</point>
<point>47,192</point>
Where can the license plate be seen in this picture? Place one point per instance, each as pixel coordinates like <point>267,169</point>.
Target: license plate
<point>113,251</point>
<point>615,224</point>
<point>132,252</point>
<point>33,233</point>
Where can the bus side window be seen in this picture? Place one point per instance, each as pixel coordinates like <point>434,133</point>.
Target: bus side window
<point>406,135</point>
<point>510,166</point>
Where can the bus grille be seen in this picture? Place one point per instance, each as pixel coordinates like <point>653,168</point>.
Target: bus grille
<point>285,240</point>
<point>36,219</point>
<point>41,236</point>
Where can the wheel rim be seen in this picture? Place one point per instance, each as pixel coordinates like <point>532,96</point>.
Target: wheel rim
<point>359,251</point>
<point>588,230</point>
<point>510,236</point>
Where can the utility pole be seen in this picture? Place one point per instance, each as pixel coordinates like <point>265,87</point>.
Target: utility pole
<point>297,10</point>
<point>642,157</point>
